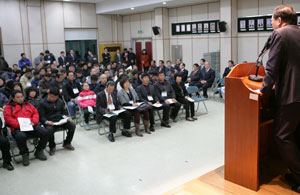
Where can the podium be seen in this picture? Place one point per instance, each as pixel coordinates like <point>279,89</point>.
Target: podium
<point>248,135</point>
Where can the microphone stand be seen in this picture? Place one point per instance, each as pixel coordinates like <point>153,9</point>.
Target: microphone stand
<point>259,63</point>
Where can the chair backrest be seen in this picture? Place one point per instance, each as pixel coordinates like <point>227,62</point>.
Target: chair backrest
<point>222,81</point>
<point>192,89</point>
<point>217,74</point>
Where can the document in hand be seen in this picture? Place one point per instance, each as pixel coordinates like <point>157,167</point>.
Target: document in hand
<point>114,113</point>
<point>156,105</point>
<point>61,122</point>
<point>25,124</point>
<point>170,100</point>
<point>133,107</point>
<point>190,99</point>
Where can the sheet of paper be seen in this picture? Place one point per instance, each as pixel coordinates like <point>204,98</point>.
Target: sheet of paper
<point>190,99</point>
<point>156,105</point>
<point>150,98</point>
<point>130,107</point>
<point>109,115</point>
<point>75,91</point>
<point>140,103</point>
<point>170,101</point>
<point>61,122</point>
<point>90,109</point>
<point>25,124</point>
<point>129,68</point>
<point>117,112</point>
<point>2,118</point>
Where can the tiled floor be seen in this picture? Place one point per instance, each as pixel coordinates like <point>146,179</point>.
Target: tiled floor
<point>153,164</point>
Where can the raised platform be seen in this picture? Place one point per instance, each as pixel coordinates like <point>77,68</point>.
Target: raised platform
<point>213,183</point>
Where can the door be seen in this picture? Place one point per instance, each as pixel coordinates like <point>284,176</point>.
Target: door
<point>138,48</point>
<point>149,49</point>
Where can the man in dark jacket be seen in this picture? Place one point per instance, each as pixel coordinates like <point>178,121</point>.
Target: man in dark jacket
<point>106,103</point>
<point>147,94</point>
<point>228,69</point>
<point>131,57</point>
<point>49,57</point>
<point>283,70</point>
<point>195,76</point>
<point>44,85</point>
<point>36,80</point>
<point>52,109</point>
<point>102,85</point>
<point>208,78</point>
<point>72,59</point>
<point>183,72</point>
<point>106,57</point>
<point>166,97</point>
<point>71,90</point>
<point>62,60</point>
<point>16,109</point>
<point>4,147</point>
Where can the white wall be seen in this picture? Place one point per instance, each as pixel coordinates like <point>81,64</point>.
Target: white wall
<point>37,25</point>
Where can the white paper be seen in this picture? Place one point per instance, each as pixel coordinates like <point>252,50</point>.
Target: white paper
<point>2,118</point>
<point>129,68</point>
<point>61,122</point>
<point>170,101</point>
<point>25,124</point>
<point>90,109</point>
<point>253,96</point>
<point>114,113</point>
<point>150,98</point>
<point>117,112</point>
<point>164,94</point>
<point>156,105</point>
<point>28,84</point>
<point>140,103</point>
<point>75,91</point>
<point>130,107</point>
<point>131,102</point>
<point>111,106</point>
<point>190,99</point>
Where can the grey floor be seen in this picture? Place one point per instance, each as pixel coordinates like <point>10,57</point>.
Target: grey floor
<point>153,164</point>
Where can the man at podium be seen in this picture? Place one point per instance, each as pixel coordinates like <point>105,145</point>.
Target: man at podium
<point>283,70</point>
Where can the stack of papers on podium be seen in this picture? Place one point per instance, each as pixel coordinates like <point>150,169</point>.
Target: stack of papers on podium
<point>114,113</point>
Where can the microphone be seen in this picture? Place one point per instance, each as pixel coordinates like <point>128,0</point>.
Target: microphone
<point>259,62</point>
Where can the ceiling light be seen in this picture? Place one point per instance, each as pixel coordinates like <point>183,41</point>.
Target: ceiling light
<point>164,3</point>
<point>132,8</point>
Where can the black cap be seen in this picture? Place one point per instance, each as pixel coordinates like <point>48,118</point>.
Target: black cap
<point>47,75</point>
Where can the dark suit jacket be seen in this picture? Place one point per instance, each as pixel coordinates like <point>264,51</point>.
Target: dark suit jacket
<point>71,60</point>
<point>159,88</point>
<point>92,59</point>
<point>106,58</point>
<point>68,90</point>
<point>283,66</point>
<point>195,77</point>
<point>226,71</point>
<point>62,60</point>
<point>180,91</point>
<point>101,105</point>
<point>143,93</point>
<point>162,70</point>
<point>184,73</point>
<point>209,76</point>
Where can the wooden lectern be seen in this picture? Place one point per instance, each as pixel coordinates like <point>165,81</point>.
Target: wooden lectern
<point>247,135</point>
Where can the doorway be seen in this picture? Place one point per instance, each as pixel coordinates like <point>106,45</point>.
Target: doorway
<point>139,45</point>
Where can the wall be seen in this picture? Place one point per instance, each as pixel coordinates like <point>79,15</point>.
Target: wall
<point>36,25</point>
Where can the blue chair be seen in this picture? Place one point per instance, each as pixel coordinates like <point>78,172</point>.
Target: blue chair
<point>192,90</point>
<point>220,83</point>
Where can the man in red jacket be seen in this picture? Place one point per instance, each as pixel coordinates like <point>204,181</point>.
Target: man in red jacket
<point>17,108</point>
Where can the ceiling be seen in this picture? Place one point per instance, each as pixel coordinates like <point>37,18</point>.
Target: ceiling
<point>123,7</point>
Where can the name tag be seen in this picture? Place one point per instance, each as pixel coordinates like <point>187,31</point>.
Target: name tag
<point>164,94</point>
<point>150,98</point>
<point>60,90</point>
<point>28,84</point>
<point>90,109</point>
<point>75,91</point>
<point>111,107</point>
<point>130,102</point>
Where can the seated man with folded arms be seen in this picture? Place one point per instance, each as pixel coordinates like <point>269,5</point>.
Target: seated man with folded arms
<point>17,108</point>
<point>195,76</point>
<point>208,77</point>
<point>52,110</point>
<point>106,103</point>
<point>146,93</point>
<point>165,92</point>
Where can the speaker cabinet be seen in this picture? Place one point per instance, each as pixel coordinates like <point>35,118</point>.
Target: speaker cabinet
<point>222,26</point>
<point>155,30</point>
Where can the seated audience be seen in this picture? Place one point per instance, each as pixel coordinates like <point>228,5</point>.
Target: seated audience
<point>195,76</point>
<point>208,77</point>
<point>135,81</point>
<point>228,69</point>
<point>152,67</point>
<point>23,61</point>
<point>183,72</point>
<point>106,103</point>
<point>161,67</point>
<point>39,59</point>
<point>17,108</point>
<point>101,86</point>
<point>45,84</point>
<point>18,75</point>
<point>71,90</point>
<point>26,78</point>
<point>169,69</point>
<point>2,82</point>
<point>36,79</point>
<point>62,60</point>
<point>52,109</point>
<point>128,97</point>
<point>165,93</point>
<point>7,89</point>
<point>94,83</point>
<point>87,98</point>
<point>49,57</point>
<point>182,97</point>
<point>146,93</point>
<point>5,147</point>
<point>31,96</point>
<point>58,82</point>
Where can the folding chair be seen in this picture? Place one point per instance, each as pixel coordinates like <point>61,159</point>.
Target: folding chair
<point>193,90</point>
<point>81,117</point>
<point>220,83</point>
<point>66,105</point>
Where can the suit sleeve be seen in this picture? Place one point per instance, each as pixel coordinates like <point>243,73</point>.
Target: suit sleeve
<point>273,64</point>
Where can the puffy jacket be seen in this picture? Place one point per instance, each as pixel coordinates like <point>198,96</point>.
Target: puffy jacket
<point>86,98</point>
<point>51,111</point>
<point>13,111</point>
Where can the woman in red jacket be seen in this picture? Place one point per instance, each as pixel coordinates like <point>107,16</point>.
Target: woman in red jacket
<point>145,60</point>
<point>87,100</point>
<point>17,108</point>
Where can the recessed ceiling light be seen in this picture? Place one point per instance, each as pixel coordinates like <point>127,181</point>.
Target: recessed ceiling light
<point>132,8</point>
<point>164,3</point>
